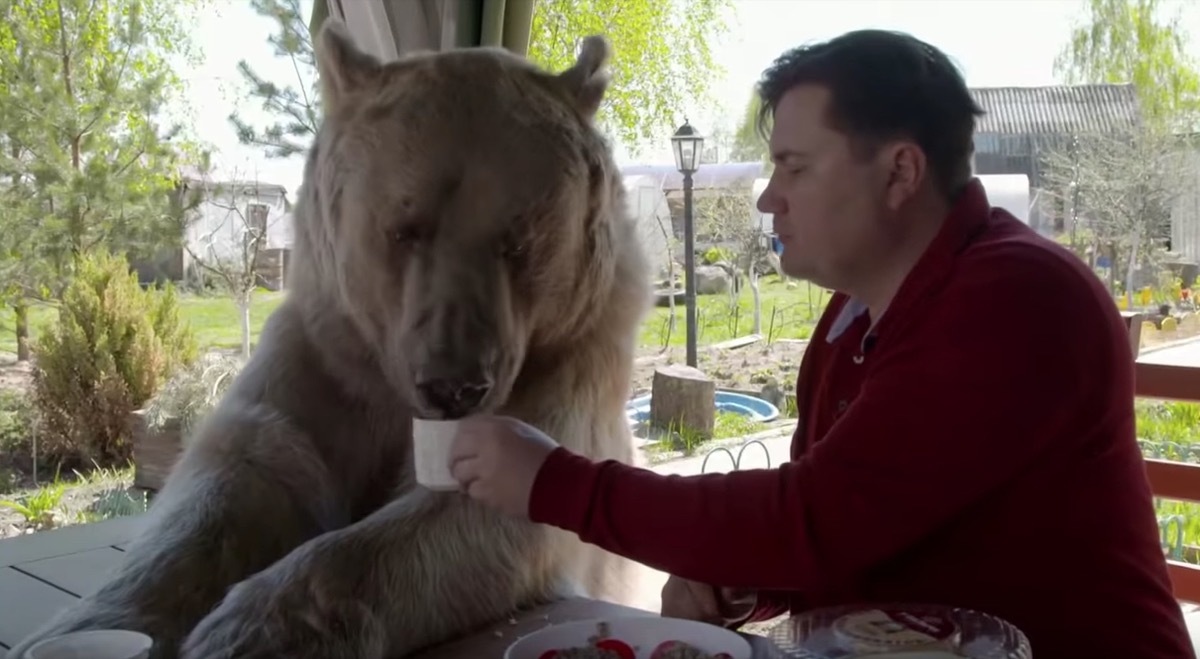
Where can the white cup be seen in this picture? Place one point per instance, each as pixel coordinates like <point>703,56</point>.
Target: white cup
<point>431,453</point>
<point>96,644</point>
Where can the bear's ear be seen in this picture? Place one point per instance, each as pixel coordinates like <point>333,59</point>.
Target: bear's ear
<point>343,67</point>
<point>587,80</point>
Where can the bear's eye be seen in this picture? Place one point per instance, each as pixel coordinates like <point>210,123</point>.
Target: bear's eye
<point>515,251</point>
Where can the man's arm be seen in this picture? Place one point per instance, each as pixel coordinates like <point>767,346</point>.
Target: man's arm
<point>965,404</point>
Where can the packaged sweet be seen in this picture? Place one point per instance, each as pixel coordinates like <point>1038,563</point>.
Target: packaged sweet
<point>602,645</point>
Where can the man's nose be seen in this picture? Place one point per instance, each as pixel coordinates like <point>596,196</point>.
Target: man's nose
<point>768,202</point>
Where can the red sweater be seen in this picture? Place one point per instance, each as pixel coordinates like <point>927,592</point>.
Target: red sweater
<point>977,450</point>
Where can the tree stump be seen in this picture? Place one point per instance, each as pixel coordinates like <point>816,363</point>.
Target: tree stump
<point>683,399</point>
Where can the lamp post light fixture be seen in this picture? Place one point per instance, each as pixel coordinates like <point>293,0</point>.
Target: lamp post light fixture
<point>687,142</point>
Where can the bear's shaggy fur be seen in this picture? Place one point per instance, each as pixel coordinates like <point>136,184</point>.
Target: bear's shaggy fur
<point>462,245</point>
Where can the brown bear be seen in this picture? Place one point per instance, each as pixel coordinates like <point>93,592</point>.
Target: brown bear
<point>462,245</point>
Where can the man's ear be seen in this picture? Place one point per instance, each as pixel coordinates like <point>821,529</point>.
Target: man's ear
<point>587,80</point>
<point>907,169</point>
<point>343,67</point>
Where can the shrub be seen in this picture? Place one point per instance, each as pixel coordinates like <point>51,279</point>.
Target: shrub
<point>715,255</point>
<point>112,345</point>
<point>16,424</point>
<point>192,392</point>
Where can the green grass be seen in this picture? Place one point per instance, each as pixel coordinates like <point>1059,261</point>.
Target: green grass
<point>787,313</point>
<point>1168,423</point>
<point>726,425</point>
<point>99,494</point>
<point>1171,431</point>
<point>214,319</point>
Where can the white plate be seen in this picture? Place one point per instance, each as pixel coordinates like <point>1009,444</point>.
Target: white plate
<point>644,633</point>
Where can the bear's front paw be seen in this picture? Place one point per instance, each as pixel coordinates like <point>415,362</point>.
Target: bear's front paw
<point>266,617</point>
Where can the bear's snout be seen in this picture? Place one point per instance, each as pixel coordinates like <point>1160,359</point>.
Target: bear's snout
<point>454,395</point>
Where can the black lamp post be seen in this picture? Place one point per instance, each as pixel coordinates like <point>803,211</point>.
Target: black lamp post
<point>687,143</point>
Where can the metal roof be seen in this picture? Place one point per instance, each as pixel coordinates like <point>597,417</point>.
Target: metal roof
<point>1057,109</point>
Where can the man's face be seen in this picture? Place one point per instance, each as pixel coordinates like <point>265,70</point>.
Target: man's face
<point>829,204</point>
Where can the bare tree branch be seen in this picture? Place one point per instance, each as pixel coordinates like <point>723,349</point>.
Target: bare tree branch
<point>1120,189</point>
<point>235,218</point>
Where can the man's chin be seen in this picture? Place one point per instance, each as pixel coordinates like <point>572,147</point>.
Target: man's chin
<point>802,271</point>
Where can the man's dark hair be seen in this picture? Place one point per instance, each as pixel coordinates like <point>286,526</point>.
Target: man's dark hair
<point>884,85</point>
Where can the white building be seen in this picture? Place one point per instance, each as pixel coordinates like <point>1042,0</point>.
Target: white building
<point>222,228</point>
<point>231,213</point>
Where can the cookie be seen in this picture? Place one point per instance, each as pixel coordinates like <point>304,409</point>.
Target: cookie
<point>876,630</point>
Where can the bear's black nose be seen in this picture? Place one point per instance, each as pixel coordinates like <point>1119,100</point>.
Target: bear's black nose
<point>454,397</point>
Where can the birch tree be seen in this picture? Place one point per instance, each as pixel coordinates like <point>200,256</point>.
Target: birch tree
<point>662,64</point>
<point>1120,41</point>
<point>748,144</point>
<point>230,232</point>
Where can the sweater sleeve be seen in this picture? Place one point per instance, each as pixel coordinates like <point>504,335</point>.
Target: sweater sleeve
<point>955,407</point>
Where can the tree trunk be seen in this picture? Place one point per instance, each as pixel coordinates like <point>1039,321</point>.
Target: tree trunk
<point>667,237</point>
<point>757,301</point>
<point>734,293</point>
<point>670,300</point>
<point>243,305</point>
<point>21,311</point>
<point>1111,250</point>
<point>1131,269</point>
<point>75,225</point>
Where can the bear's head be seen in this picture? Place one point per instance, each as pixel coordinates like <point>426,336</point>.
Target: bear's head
<point>465,218</point>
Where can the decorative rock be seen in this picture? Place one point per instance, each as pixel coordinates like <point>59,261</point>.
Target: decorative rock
<point>711,280</point>
<point>683,399</point>
<point>1169,324</point>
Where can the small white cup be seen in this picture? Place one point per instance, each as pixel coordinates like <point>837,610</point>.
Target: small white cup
<point>96,644</point>
<point>431,453</point>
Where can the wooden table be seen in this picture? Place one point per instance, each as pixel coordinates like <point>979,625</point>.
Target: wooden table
<point>491,642</point>
<point>44,572</point>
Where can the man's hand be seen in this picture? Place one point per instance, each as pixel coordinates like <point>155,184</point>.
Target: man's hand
<point>496,460</point>
<point>692,600</point>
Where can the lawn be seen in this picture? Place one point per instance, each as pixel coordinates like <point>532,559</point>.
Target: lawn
<point>214,319</point>
<point>1171,431</point>
<point>787,313</point>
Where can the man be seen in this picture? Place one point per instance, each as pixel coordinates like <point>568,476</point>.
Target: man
<point>966,431</point>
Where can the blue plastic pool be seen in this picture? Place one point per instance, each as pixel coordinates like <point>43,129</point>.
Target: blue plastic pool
<point>638,409</point>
